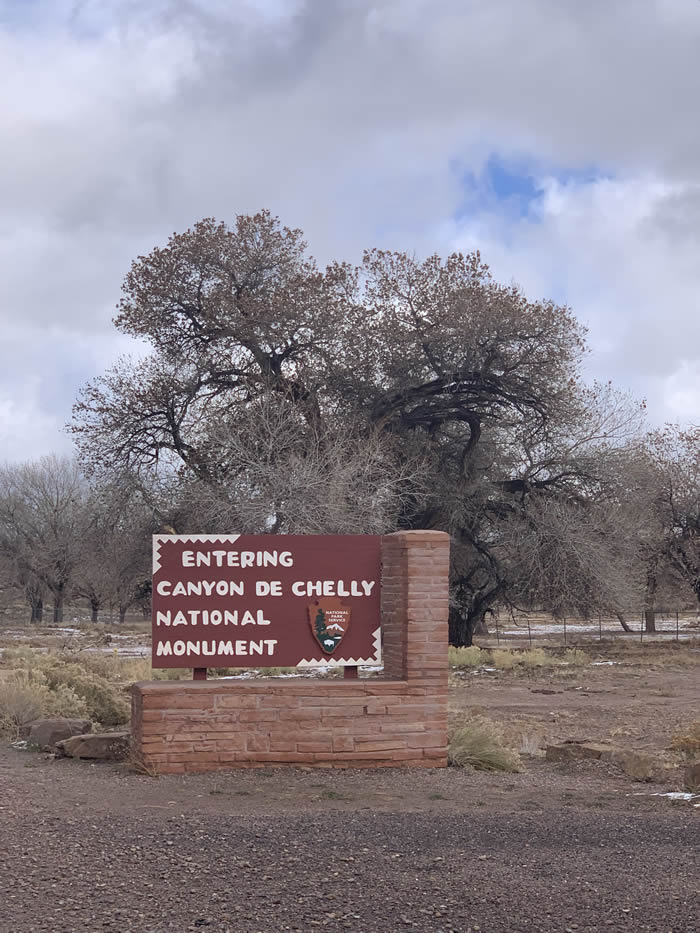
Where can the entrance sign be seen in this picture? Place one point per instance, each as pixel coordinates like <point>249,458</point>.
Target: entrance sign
<point>266,600</point>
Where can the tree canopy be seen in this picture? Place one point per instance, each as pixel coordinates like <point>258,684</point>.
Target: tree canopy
<point>403,393</point>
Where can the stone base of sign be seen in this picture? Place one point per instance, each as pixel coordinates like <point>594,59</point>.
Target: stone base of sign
<point>398,720</point>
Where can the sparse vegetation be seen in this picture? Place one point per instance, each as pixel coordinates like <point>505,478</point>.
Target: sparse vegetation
<point>530,745</point>
<point>471,657</point>
<point>687,740</point>
<point>480,743</point>
<point>54,684</point>
<point>508,659</point>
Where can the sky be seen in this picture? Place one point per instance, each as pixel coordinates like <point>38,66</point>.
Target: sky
<point>561,138</point>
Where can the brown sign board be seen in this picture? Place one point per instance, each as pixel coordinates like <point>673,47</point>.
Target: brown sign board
<point>266,600</point>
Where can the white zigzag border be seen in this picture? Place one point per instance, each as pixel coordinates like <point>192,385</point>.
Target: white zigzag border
<point>160,539</point>
<point>332,662</point>
<point>310,662</point>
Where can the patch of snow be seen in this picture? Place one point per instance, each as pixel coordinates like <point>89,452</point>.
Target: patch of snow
<point>590,627</point>
<point>677,795</point>
<point>672,795</point>
<point>245,675</point>
<point>21,745</point>
<point>603,663</point>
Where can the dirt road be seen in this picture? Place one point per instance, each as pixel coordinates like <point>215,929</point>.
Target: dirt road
<point>92,847</point>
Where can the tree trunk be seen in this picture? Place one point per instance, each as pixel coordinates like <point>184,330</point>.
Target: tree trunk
<point>461,633</point>
<point>94,610</point>
<point>623,623</point>
<point>650,601</point>
<point>37,607</point>
<point>122,614</point>
<point>58,609</point>
<point>463,628</point>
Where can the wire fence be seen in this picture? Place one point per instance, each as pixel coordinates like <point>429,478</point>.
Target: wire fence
<point>668,624</point>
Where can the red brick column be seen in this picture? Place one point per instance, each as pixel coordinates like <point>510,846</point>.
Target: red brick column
<point>397,720</point>
<point>415,596</point>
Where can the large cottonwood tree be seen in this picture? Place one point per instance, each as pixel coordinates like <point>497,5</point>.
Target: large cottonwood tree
<point>455,400</point>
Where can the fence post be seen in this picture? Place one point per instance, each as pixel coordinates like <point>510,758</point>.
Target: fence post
<point>677,639</point>
<point>529,632</point>
<point>498,635</point>
<point>564,620</point>
<point>600,627</point>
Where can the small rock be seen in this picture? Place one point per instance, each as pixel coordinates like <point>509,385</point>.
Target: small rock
<point>106,746</point>
<point>45,733</point>
<point>573,751</point>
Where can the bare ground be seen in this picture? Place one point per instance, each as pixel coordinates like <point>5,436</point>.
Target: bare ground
<point>559,847</point>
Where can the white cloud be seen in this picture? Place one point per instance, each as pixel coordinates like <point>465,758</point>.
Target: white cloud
<point>623,255</point>
<point>121,121</point>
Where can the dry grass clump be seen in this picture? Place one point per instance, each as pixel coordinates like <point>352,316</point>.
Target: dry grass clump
<point>479,743</point>
<point>534,659</point>
<point>132,670</point>
<point>461,658</point>
<point>503,659</point>
<point>530,745</point>
<point>687,741</point>
<point>506,660</point>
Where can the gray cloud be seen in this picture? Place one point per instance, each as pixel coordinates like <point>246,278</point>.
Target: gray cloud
<point>121,122</point>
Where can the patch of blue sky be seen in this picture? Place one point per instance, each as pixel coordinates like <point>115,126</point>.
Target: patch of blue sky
<point>514,187</point>
<point>84,19</point>
<point>17,13</point>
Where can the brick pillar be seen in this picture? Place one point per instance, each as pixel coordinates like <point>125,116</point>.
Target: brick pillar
<point>415,596</point>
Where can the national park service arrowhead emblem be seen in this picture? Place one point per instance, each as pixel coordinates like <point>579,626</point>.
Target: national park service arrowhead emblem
<point>330,621</point>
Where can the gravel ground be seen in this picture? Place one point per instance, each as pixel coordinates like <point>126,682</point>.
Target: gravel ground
<point>92,847</point>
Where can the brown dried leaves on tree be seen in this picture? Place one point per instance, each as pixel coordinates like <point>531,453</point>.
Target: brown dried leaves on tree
<point>402,393</point>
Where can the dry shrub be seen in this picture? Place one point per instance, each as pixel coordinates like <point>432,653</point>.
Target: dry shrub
<point>480,743</point>
<point>502,659</point>
<point>105,702</point>
<point>63,686</point>
<point>472,657</point>
<point>19,704</point>
<point>535,657</point>
<point>687,741</point>
<point>506,660</point>
<point>574,658</point>
<point>692,778</point>
<point>137,763</point>
<point>133,670</point>
<point>26,696</point>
